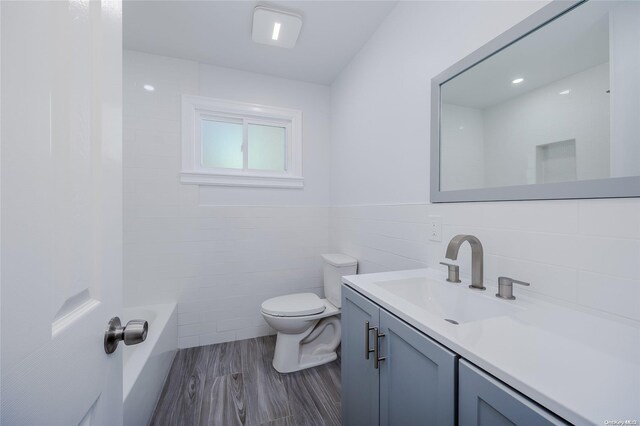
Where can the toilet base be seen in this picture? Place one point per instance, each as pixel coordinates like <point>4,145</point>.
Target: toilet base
<point>306,362</point>
<point>315,346</point>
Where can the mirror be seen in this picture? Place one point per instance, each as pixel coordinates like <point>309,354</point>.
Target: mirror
<point>550,109</point>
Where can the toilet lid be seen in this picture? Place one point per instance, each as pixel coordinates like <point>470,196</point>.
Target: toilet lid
<point>293,305</point>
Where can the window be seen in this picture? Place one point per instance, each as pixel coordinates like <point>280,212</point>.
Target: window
<point>237,144</point>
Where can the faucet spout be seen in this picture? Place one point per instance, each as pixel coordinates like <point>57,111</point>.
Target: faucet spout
<point>477,257</point>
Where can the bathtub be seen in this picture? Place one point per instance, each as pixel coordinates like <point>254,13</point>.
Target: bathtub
<point>146,365</point>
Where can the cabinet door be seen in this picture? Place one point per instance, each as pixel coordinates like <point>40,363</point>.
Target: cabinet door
<point>360,382</point>
<point>483,400</point>
<point>417,377</point>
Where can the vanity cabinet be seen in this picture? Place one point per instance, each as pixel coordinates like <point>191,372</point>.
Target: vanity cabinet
<point>360,381</point>
<point>417,377</point>
<point>417,381</point>
<point>413,383</point>
<point>485,401</point>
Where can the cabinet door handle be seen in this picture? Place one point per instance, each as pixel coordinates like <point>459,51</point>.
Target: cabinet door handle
<point>367,330</point>
<point>376,349</point>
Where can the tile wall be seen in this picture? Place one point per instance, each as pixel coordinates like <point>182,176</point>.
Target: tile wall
<point>584,253</point>
<point>219,262</point>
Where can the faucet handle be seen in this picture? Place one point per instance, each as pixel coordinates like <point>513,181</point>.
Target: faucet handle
<point>453,275</point>
<point>505,287</point>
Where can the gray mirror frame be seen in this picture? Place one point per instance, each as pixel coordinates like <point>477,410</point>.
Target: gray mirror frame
<point>622,187</point>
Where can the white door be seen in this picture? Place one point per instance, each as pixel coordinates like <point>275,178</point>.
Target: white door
<point>61,211</point>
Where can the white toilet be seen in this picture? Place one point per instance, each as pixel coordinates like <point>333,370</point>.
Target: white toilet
<point>309,327</point>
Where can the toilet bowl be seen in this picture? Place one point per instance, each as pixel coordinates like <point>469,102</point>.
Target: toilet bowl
<point>309,327</point>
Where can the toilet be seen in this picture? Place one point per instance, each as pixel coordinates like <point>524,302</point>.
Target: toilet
<point>309,327</point>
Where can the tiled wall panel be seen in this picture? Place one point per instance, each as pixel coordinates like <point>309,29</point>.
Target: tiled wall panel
<point>218,262</point>
<point>585,253</point>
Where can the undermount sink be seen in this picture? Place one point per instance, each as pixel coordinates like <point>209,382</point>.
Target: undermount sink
<point>454,303</point>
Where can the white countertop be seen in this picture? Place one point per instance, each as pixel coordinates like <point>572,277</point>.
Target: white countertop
<point>583,367</point>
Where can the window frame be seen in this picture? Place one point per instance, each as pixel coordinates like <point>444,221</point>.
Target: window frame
<point>196,109</point>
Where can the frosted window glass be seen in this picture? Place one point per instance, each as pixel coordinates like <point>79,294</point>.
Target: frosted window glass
<point>222,144</point>
<point>267,147</point>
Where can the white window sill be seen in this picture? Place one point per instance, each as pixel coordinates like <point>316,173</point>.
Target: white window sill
<point>250,180</point>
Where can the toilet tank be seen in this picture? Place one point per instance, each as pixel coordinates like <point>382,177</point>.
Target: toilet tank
<point>335,267</point>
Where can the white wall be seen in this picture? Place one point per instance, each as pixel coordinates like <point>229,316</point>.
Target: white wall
<point>583,252</point>
<point>462,153</point>
<point>218,251</point>
<point>513,129</point>
<point>314,102</point>
<point>624,33</point>
<point>380,103</point>
<point>496,146</point>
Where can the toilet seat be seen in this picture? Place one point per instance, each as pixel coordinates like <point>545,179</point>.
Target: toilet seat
<point>294,305</point>
<point>308,327</point>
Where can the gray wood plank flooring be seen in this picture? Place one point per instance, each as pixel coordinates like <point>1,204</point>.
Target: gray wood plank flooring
<point>234,384</point>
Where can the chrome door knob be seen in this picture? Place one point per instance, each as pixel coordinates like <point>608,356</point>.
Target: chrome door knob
<point>133,333</point>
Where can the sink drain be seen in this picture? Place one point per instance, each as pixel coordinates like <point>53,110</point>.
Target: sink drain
<point>451,321</point>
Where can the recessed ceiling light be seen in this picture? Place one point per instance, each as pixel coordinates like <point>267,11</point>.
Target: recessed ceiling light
<point>518,80</point>
<point>276,31</point>
<point>148,88</point>
<point>275,27</point>
<point>565,92</point>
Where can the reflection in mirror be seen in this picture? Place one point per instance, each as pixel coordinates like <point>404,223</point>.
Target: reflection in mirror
<point>561,104</point>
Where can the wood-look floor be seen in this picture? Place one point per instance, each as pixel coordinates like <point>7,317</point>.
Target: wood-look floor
<point>234,383</point>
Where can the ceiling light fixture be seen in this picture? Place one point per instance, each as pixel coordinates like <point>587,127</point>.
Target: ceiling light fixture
<point>565,92</point>
<point>276,31</point>
<point>148,88</point>
<point>517,80</point>
<point>275,27</point>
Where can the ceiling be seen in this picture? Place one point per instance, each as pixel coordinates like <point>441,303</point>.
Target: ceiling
<point>219,33</point>
<point>572,43</point>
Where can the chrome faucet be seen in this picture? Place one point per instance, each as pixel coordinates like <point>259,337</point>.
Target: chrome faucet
<point>477,257</point>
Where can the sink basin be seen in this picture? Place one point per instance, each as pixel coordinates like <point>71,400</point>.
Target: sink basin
<point>455,303</point>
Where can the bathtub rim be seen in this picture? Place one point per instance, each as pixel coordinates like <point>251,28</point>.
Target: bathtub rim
<point>142,352</point>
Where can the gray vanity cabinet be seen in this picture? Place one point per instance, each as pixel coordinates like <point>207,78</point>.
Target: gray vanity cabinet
<point>413,385</point>
<point>417,377</point>
<point>484,401</point>
<point>360,381</point>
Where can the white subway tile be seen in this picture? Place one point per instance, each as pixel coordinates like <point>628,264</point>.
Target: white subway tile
<point>239,323</point>
<point>188,318</point>
<point>619,296</point>
<point>184,307</point>
<point>251,332</point>
<point>189,330</point>
<point>617,257</point>
<point>558,216</point>
<point>560,246</point>
<point>185,342</point>
<point>555,249</point>
<point>462,214</point>
<point>214,338</point>
<point>610,218</point>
